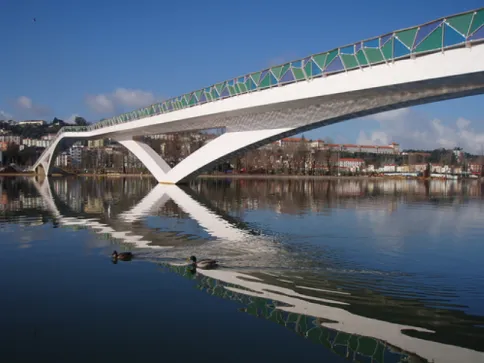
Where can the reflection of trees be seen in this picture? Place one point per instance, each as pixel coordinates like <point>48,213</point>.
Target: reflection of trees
<point>350,346</point>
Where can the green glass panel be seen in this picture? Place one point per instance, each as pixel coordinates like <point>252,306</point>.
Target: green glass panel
<point>219,87</point>
<point>461,23</point>
<point>242,87</point>
<point>477,22</point>
<point>256,77</point>
<point>298,74</point>
<point>349,61</point>
<point>277,71</point>
<point>407,37</point>
<point>214,93</point>
<point>266,82</point>
<point>331,55</point>
<point>307,69</point>
<point>320,59</point>
<point>285,68</point>
<point>361,58</point>
<point>193,100</point>
<point>184,102</point>
<point>373,55</point>
<point>353,343</point>
<point>250,84</point>
<point>198,94</point>
<point>379,355</point>
<point>432,42</point>
<point>387,50</point>
<point>232,90</point>
<point>208,96</point>
<point>342,338</point>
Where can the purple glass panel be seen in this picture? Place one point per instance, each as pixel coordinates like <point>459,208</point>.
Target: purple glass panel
<point>170,106</point>
<point>426,30</point>
<point>263,74</point>
<point>385,39</point>
<point>479,34</point>
<point>287,77</point>
<point>225,92</point>
<point>357,47</point>
<point>335,66</point>
<point>203,98</point>
<point>306,60</point>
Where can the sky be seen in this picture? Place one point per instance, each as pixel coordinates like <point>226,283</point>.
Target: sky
<point>97,58</point>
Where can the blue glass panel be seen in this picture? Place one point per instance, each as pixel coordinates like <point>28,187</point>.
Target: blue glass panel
<point>348,50</point>
<point>357,47</point>
<point>305,61</point>
<point>225,92</point>
<point>263,74</point>
<point>424,31</point>
<point>273,79</point>
<point>479,34</point>
<point>250,84</point>
<point>315,70</point>
<point>373,43</point>
<point>297,64</point>
<point>231,82</point>
<point>241,80</point>
<point>287,77</point>
<point>335,66</point>
<point>385,39</point>
<point>452,37</point>
<point>399,49</point>
<point>208,89</point>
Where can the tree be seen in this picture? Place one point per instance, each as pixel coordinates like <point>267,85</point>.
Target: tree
<point>80,121</point>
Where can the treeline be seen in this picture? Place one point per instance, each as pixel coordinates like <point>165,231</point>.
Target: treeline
<point>37,131</point>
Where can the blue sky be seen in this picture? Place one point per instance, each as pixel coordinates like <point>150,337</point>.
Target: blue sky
<point>99,58</point>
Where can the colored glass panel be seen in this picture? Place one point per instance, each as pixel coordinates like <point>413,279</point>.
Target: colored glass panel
<point>358,46</point>
<point>193,101</point>
<point>219,87</point>
<point>265,82</point>
<point>349,61</point>
<point>298,74</point>
<point>407,37</point>
<point>335,66</point>
<point>285,68</point>
<point>256,77</point>
<point>203,98</point>
<point>214,94</point>
<point>425,30</point>
<point>273,80</point>
<point>287,77</point>
<point>277,71</point>
<point>184,102</point>
<point>384,39</point>
<point>373,55</point>
<point>399,50</point>
<point>320,59</point>
<point>231,82</point>
<point>308,69</point>
<point>225,92</point>
<point>479,34</point>
<point>361,58</point>
<point>387,50</point>
<point>461,23</point>
<point>477,21</point>
<point>198,94</point>
<point>232,90</point>
<point>347,50</point>
<point>297,64</point>
<point>316,71</point>
<point>432,42</point>
<point>250,84</point>
<point>331,55</point>
<point>372,43</point>
<point>242,87</point>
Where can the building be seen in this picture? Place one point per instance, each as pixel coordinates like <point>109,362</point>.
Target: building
<point>32,123</point>
<point>96,144</point>
<point>351,164</point>
<point>10,139</point>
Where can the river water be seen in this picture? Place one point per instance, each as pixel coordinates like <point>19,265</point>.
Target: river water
<point>327,271</point>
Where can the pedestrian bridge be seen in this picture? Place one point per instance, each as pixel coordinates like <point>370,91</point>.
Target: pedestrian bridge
<point>436,61</point>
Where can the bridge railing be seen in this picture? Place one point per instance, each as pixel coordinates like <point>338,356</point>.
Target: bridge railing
<point>451,32</point>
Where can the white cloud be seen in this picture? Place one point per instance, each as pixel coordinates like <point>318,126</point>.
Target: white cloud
<point>27,108</point>
<point>120,98</point>
<point>71,118</point>
<point>413,130</point>
<point>5,115</point>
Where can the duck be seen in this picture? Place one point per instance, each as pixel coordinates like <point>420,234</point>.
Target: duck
<point>123,256</point>
<point>204,264</point>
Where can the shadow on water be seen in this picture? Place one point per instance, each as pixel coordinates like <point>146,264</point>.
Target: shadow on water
<point>359,313</point>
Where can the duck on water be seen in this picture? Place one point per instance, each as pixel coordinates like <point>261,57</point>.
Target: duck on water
<point>123,256</point>
<point>205,264</point>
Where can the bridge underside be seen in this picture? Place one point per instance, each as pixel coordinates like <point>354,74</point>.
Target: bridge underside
<point>247,130</point>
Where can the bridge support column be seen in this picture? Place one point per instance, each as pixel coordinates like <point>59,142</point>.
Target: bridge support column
<point>153,162</point>
<point>224,146</point>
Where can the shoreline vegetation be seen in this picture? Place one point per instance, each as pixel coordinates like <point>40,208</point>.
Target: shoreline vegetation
<point>240,176</point>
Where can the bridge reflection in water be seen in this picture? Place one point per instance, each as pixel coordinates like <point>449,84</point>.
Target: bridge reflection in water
<point>357,327</point>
